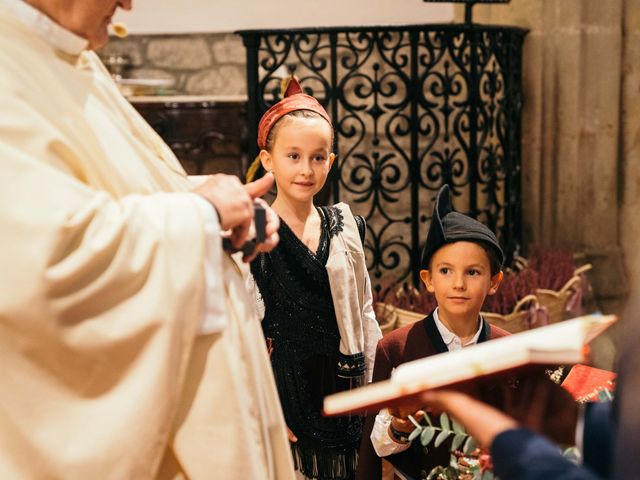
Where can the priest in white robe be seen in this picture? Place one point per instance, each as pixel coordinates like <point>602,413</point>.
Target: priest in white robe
<point>129,349</point>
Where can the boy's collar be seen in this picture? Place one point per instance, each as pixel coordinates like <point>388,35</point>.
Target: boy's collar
<point>448,337</point>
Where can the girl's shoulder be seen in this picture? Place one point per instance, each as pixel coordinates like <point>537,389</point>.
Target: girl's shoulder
<point>342,210</point>
<point>333,219</point>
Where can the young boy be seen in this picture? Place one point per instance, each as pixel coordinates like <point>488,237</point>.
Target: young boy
<point>461,265</point>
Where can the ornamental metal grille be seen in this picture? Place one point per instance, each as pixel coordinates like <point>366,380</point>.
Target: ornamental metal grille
<point>413,108</point>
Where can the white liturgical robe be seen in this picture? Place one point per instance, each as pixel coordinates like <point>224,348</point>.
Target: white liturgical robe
<point>110,368</point>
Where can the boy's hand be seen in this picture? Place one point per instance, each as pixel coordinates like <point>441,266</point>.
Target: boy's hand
<point>406,408</point>
<point>404,424</point>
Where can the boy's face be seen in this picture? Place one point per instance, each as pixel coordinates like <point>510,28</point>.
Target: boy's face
<point>460,277</point>
<point>301,157</point>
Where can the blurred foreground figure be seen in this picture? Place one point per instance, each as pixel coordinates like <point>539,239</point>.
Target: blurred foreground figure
<point>608,433</point>
<point>128,344</point>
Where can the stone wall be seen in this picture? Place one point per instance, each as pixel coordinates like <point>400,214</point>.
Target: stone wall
<point>197,64</point>
<point>580,131</point>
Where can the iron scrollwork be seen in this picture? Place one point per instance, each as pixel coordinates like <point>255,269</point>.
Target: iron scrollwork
<point>413,108</point>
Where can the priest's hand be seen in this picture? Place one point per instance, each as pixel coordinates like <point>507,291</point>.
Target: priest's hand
<point>257,189</point>
<point>234,203</point>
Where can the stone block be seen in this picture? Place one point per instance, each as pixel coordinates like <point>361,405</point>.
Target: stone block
<point>181,53</point>
<point>228,48</point>
<point>224,80</point>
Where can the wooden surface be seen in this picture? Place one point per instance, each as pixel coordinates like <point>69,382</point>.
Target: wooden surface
<point>207,136</point>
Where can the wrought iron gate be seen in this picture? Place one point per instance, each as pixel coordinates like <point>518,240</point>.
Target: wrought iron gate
<point>414,107</point>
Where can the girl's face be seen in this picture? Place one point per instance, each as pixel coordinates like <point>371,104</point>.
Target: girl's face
<point>460,277</point>
<point>300,158</point>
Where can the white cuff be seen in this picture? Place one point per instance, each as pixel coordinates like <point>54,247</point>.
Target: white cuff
<point>383,444</point>
<point>214,318</point>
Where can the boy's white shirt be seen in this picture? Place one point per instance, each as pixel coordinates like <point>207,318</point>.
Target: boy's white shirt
<point>383,444</point>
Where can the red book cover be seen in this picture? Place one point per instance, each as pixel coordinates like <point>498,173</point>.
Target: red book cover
<point>585,383</point>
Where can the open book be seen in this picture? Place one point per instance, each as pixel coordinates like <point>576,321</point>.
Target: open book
<point>560,343</point>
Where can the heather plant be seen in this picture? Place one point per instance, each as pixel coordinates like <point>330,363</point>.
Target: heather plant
<point>554,266</point>
<point>515,285</point>
<point>546,268</point>
<point>406,296</point>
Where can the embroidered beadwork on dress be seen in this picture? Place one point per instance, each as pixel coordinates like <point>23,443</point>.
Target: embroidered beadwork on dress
<point>300,320</point>
<point>335,218</point>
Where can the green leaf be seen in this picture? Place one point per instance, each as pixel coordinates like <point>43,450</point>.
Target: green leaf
<point>457,427</point>
<point>414,421</point>
<point>444,421</point>
<point>442,436</point>
<point>428,419</point>
<point>427,435</point>
<point>413,435</point>
<point>457,441</point>
<point>469,446</point>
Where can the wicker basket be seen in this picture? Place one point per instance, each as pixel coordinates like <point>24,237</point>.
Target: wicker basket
<point>527,314</point>
<point>390,317</point>
<point>406,317</point>
<point>386,316</point>
<point>556,302</point>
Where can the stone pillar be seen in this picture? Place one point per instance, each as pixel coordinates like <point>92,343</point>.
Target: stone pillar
<point>630,145</point>
<point>571,146</point>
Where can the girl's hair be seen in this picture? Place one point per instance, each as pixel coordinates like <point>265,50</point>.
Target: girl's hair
<point>271,138</point>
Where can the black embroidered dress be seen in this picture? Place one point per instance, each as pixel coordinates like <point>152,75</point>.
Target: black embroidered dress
<point>300,324</point>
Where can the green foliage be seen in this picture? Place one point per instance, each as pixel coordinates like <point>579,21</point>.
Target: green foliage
<point>427,435</point>
<point>458,438</point>
<point>469,446</point>
<point>442,436</point>
<point>465,456</point>
<point>444,421</point>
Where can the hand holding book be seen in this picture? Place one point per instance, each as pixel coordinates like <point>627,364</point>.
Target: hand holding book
<point>561,343</point>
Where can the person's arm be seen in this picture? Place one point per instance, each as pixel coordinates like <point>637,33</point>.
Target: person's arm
<point>521,454</point>
<point>482,421</point>
<point>229,196</point>
<point>233,203</point>
<point>214,317</point>
<point>518,453</point>
<point>383,443</point>
<point>369,463</point>
<point>372,332</point>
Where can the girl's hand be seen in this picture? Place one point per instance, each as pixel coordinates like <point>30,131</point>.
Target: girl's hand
<point>292,437</point>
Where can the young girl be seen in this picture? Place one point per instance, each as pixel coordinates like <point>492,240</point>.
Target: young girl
<point>318,317</point>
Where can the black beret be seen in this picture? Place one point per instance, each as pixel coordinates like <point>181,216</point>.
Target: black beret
<point>448,226</point>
